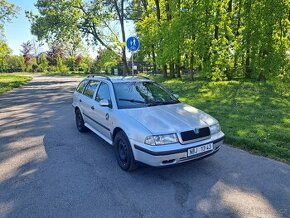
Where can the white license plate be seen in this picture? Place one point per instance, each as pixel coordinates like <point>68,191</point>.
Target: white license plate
<point>200,149</point>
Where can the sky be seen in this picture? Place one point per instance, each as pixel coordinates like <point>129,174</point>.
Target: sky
<point>18,30</point>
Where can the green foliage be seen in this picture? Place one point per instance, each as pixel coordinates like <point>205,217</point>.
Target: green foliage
<point>5,52</point>
<point>79,63</point>
<point>69,21</point>
<point>220,39</point>
<point>56,20</point>
<point>60,67</point>
<point>43,63</point>
<point>15,63</point>
<point>9,62</point>
<point>31,66</point>
<point>105,61</point>
<point>7,12</point>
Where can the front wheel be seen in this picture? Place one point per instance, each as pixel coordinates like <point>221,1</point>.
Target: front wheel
<point>123,152</point>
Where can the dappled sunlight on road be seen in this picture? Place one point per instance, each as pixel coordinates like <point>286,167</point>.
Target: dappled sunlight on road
<point>26,116</point>
<point>9,166</point>
<point>243,203</point>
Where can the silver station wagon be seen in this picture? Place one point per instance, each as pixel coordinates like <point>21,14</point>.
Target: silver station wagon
<point>144,121</point>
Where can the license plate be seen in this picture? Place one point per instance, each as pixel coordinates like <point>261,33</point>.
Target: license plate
<point>200,149</point>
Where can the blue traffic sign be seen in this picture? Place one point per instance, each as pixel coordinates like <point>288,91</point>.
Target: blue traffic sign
<point>133,43</point>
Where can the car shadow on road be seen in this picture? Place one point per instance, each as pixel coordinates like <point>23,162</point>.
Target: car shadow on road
<point>50,169</point>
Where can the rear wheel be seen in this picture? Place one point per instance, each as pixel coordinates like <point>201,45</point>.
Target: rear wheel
<point>123,152</point>
<point>80,122</point>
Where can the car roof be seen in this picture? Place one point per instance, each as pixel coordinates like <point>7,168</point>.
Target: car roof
<point>119,79</point>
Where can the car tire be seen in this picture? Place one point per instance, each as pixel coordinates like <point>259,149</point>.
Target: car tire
<point>80,121</point>
<point>123,152</point>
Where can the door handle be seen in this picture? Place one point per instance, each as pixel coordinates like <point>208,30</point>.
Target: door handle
<point>93,108</point>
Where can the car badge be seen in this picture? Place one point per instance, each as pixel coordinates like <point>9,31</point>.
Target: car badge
<point>196,131</point>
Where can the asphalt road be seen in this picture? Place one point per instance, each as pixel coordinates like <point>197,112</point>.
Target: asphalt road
<point>49,169</point>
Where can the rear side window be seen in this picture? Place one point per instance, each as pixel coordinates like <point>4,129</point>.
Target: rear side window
<point>82,86</point>
<point>91,88</point>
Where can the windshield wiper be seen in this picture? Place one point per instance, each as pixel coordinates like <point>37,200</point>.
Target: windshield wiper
<point>132,100</point>
<point>154,103</point>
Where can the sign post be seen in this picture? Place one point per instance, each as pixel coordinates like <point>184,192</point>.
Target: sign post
<point>133,45</point>
<point>132,62</point>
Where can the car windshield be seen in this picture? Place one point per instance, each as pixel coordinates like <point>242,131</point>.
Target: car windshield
<point>142,94</point>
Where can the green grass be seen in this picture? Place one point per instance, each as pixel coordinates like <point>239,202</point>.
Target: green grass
<point>11,81</point>
<point>254,116</point>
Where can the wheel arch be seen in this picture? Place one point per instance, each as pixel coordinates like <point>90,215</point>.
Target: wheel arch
<point>77,109</point>
<point>116,130</point>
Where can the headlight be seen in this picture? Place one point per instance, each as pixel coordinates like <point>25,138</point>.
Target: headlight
<point>161,139</point>
<point>215,129</point>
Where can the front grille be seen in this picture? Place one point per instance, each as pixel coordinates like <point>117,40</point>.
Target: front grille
<point>191,135</point>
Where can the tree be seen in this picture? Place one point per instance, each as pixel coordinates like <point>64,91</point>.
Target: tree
<point>27,48</point>
<point>69,20</point>
<point>15,63</point>
<point>105,61</point>
<point>60,66</point>
<point>219,39</point>
<point>56,50</point>
<point>5,52</point>
<point>7,12</point>
<point>43,63</point>
<point>79,63</point>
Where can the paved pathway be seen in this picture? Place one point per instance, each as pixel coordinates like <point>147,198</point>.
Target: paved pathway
<point>49,169</point>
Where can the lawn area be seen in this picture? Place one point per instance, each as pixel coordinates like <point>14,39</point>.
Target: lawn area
<point>254,116</point>
<point>11,81</point>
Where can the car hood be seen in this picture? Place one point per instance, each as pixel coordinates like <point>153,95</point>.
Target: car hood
<point>170,118</point>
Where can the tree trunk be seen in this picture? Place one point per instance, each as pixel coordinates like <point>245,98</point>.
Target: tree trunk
<point>126,69</point>
<point>164,68</point>
<point>178,64</point>
<point>178,61</point>
<point>169,17</point>
<point>154,60</point>
<point>171,69</point>
<point>120,12</point>
<point>191,66</point>
<point>157,10</point>
<point>237,34</point>
<point>216,32</point>
<point>216,27</point>
<point>230,6</point>
<point>239,18</point>
<point>158,16</point>
<point>248,67</point>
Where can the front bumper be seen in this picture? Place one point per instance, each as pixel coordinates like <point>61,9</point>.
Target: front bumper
<point>173,153</point>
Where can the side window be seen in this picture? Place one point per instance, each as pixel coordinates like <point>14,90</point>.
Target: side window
<point>82,86</point>
<point>103,92</point>
<point>91,88</point>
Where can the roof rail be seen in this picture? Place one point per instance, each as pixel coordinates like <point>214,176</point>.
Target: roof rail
<point>144,77</point>
<point>135,76</point>
<point>99,75</point>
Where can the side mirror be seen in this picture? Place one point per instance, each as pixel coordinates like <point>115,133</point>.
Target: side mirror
<point>105,103</point>
<point>176,96</point>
